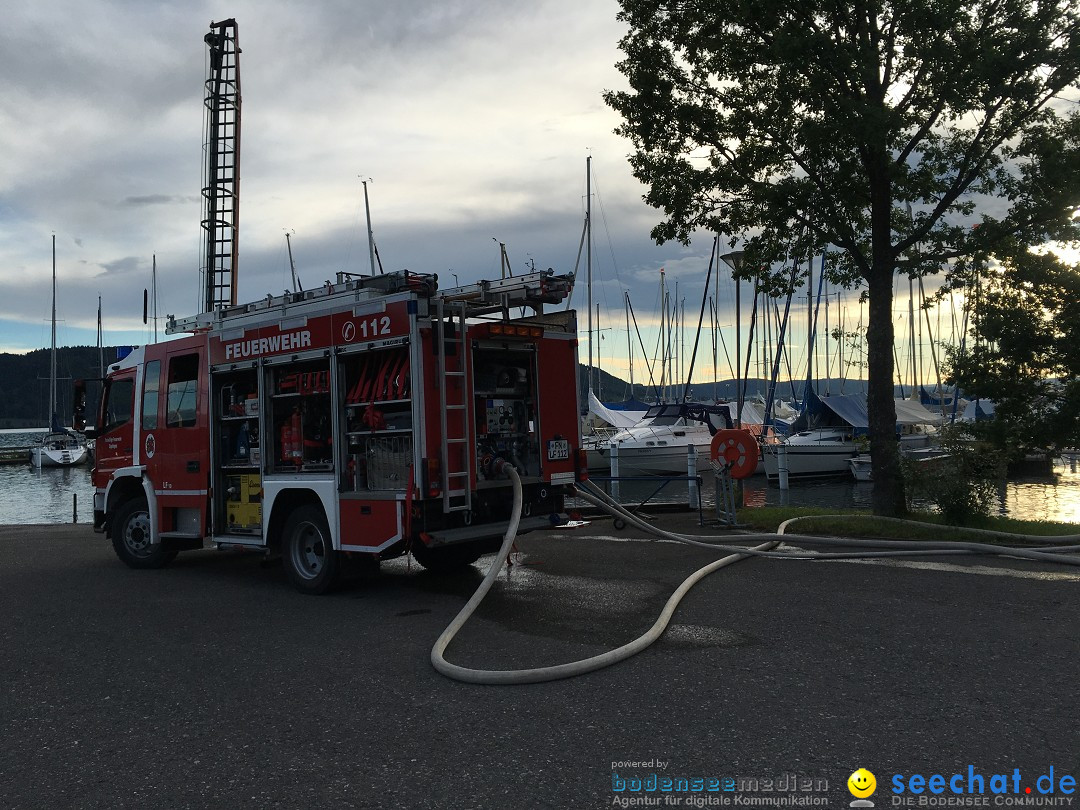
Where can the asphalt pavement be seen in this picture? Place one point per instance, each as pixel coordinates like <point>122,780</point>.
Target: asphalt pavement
<point>211,683</point>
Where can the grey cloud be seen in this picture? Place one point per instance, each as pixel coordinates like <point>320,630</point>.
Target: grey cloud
<point>128,264</point>
<point>157,199</point>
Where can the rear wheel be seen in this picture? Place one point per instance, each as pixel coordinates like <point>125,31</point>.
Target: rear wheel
<point>308,552</point>
<point>131,537</point>
<point>444,559</point>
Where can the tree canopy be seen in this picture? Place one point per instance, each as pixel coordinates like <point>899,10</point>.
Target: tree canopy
<point>1025,355</point>
<point>886,130</point>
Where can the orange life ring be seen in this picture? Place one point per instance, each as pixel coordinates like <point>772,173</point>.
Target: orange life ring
<point>737,449</point>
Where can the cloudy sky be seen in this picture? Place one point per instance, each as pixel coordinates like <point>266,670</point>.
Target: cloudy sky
<point>472,118</point>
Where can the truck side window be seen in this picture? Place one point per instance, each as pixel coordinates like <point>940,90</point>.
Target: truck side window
<point>118,404</point>
<point>182,396</point>
<point>151,383</point>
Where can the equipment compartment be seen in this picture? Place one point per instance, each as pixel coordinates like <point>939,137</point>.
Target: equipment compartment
<point>377,390</point>
<point>300,423</point>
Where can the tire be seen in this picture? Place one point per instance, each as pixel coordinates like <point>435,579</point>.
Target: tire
<point>307,551</point>
<point>130,531</point>
<point>447,559</point>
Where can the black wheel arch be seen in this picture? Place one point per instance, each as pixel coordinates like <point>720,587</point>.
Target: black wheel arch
<point>122,490</point>
<point>287,502</point>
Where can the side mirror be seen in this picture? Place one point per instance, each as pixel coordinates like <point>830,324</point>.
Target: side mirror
<point>78,407</point>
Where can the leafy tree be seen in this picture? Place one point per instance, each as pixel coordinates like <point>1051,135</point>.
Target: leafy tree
<point>1026,352</point>
<point>885,129</point>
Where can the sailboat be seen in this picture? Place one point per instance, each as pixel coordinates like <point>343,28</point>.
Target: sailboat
<point>58,447</point>
<point>660,442</point>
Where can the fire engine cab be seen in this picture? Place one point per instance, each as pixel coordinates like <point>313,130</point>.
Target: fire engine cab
<point>370,417</point>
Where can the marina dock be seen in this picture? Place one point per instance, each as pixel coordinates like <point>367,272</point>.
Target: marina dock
<point>14,455</point>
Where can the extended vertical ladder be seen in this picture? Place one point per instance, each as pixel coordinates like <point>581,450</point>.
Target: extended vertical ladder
<point>221,194</point>
<point>453,413</point>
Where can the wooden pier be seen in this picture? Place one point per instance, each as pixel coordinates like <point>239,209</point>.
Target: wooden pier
<point>14,455</point>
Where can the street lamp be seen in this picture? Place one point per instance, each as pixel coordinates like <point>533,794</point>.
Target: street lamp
<point>735,261</point>
<point>456,282</point>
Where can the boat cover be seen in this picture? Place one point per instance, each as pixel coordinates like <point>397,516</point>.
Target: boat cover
<point>977,410</point>
<point>615,417</point>
<point>850,410</point>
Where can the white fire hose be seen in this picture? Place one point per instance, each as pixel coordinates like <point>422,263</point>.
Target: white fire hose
<point>1051,550</point>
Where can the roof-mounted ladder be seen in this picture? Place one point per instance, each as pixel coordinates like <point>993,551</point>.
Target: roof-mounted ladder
<point>455,454</point>
<point>529,290</point>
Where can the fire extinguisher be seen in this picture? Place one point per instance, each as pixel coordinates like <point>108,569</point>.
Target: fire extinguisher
<point>296,449</point>
<point>286,441</point>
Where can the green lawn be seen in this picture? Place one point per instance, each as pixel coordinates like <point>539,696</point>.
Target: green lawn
<point>861,523</point>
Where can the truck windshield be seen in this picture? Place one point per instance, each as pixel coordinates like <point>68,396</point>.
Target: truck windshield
<point>117,404</point>
<point>183,376</point>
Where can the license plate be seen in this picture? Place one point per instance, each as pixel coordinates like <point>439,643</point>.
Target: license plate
<point>558,449</point>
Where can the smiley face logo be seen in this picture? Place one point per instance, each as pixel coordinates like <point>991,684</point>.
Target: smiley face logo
<point>861,783</point>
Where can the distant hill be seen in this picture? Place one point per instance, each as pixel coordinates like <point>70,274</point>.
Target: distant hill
<point>614,389</point>
<point>24,384</point>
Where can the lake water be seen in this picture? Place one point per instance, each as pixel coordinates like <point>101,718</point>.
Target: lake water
<point>1055,496</point>
<point>49,495</point>
<point>42,496</point>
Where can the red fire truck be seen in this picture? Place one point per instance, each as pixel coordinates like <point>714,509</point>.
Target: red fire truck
<point>368,418</point>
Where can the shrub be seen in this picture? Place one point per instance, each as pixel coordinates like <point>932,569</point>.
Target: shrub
<point>962,483</point>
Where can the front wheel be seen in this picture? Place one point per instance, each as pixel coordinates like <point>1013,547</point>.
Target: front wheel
<point>308,552</point>
<point>131,537</point>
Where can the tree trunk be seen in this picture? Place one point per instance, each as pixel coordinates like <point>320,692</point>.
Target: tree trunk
<point>888,495</point>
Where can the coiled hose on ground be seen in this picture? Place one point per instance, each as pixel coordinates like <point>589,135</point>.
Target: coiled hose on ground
<point>765,548</point>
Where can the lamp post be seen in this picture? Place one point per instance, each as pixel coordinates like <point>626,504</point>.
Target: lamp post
<point>734,260</point>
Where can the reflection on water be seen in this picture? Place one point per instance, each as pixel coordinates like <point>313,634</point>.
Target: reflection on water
<point>1054,497</point>
<point>1049,497</point>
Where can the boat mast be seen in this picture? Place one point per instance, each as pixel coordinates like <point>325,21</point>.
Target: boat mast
<point>682,343</point>
<point>673,344</point>
<point>598,338</point>
<point>100,348</point>
<point>52,362</point>
<point>629,343</point>
<point>663,349</point>
<point>712,331</point>
<point>911,329</point>
<point>153,293</point>
<point>588,259</point>
<point>809,329</point>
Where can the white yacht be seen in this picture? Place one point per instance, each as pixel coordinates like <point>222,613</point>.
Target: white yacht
<point>657,444</point>
<point>832,430</point>
<point>59,449</point>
